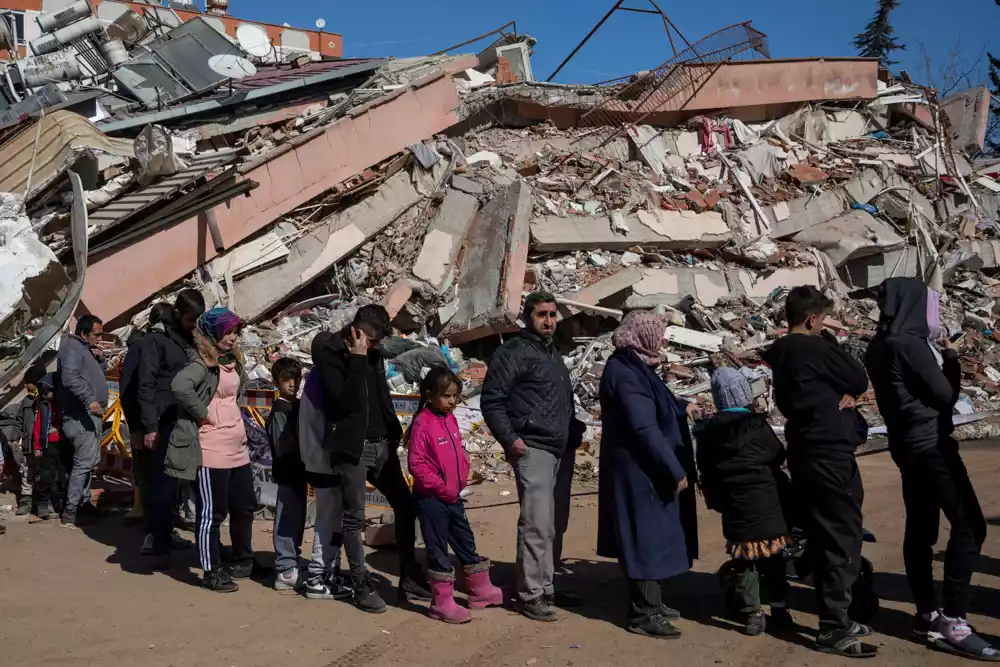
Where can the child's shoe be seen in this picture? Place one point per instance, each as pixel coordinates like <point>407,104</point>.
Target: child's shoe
<point>755,624</point>
<point>482,592</point>
<point>288,580</point>
<point>444,607</point>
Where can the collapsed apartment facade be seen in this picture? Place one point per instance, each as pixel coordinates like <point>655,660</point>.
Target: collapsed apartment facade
<point>447,186</point>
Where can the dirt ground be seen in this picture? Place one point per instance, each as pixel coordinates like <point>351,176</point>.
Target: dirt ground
<point>86,598</point>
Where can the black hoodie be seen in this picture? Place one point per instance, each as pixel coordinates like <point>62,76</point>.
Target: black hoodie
<point>811,375</point>
<point>915,395</point>
<point>150,365</point>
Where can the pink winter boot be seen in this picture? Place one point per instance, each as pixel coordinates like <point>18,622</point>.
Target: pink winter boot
<point>482,592</point>
<point>444,607</point>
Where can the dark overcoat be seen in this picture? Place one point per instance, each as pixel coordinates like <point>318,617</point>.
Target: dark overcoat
<point>645,450</point>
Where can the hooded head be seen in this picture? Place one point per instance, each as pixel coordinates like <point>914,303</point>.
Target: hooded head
<point>730,389</point>
<point>642,332</point>
<point>907,308</point>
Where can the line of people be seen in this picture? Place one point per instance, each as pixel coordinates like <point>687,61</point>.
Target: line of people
<point>649,465</point>
<point>182,379</point>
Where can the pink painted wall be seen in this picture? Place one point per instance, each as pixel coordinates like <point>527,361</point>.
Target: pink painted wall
<point>118,283</point>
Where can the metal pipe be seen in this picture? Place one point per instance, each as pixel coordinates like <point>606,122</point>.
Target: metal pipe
<point>585,39</point>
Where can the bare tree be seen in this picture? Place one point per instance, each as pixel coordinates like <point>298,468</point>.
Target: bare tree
<point>957,72</point>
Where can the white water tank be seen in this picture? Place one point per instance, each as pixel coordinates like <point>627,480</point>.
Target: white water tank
<point>54,20</point>
<point>63,36</point>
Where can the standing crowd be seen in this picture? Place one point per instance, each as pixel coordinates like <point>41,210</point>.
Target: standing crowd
<point>183,377</point>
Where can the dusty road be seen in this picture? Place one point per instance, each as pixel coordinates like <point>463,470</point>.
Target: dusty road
<point>85,598</point>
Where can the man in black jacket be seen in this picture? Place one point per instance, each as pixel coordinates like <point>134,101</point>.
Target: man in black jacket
<point>815,387</point>
<point>527,402</point>
<point>360,439</point>
<point>150,411</point>
<point>917,388</point>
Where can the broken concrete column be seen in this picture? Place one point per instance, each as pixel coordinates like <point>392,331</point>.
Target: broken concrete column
<point>444,238</point>
<point>674,230</point>
<point>852,235</point>
<point>331,241</point>
<point>492,268</point>
<point>397,296</point>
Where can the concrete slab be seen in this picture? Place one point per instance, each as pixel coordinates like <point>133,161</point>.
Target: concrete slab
<point>760,287</point>
<point>668,286</point>
<point>674,230</point>
<point>444,238</point>
<point>852,235</point>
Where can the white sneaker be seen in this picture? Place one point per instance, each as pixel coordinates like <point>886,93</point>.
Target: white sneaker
<point>147,545</point>
<point>287,581</point>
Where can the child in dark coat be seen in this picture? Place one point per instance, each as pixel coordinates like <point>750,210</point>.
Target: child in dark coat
<point>739,459</point>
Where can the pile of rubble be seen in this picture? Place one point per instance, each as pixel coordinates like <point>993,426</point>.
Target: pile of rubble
<point>446,187</point>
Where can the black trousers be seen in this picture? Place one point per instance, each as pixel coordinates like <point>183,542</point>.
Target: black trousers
<point>49,482</point>
<point>444,524</point>
<point>829,491</point>
<point>222,492</point>
<point>936,481</point>
<point>380,466</point>
<point>645,599</point>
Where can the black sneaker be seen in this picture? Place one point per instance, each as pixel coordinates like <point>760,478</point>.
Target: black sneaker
<point>656,626</point>
<point>219,581</point>
<point>755,625</point>
<point>844,642</point>
<point>366,598</point>
<point>414,588</point>
<point>240,570</point>
<point>564,600</point>
<point>537,610</point>
<point>333,587</point>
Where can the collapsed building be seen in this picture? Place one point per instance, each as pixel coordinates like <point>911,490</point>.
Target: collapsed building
<point>291,184</point>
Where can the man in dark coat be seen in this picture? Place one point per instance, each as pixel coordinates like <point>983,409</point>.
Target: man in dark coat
<point>647,515</point>
<point>917,388</point>
<point>816,383</point>
<point>360,436</point>
<point>527,402</point>
<point>150,410</point>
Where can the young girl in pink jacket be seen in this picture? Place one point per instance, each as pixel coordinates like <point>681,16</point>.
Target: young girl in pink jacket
<point>440,469</point>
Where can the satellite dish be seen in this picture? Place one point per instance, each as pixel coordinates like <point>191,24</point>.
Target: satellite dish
<point>231,66</point>
<point>320,23</point>
<point>254,40</point>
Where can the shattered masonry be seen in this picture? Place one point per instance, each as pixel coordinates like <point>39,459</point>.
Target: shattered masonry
<point>448,186</point>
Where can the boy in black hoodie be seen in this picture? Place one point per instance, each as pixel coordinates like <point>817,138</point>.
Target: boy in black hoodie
<point>917,387</point>
<point>815,387</point>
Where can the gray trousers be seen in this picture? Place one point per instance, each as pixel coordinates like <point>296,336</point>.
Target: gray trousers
<point>84,435</point>
<point>289,524</point>
<point>544,482</point>
<point>326,533</point>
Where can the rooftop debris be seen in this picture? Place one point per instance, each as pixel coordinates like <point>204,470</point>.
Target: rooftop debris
<point>448,186</point>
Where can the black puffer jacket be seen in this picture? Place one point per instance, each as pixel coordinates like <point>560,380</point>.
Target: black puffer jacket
<point>528,395</point>
<point>739,461</point>
<point>345,396</point>
<point>150,365</point>
<point>915,395</point>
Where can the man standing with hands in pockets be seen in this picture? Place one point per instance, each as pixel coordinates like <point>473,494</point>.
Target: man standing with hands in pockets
<point>527,402</point>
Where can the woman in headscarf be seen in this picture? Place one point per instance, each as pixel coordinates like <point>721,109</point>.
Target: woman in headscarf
<point>209,446</point>
<point>647,516</point>
<point>739,459</point>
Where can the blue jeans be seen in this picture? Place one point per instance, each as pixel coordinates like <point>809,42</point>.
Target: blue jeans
<point>289,524</point>
<point>444,525</point>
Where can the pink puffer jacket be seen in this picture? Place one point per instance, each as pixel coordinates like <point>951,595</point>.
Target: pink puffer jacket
<point>437,459</point>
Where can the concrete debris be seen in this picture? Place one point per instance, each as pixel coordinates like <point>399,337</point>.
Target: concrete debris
<point>446,187</point>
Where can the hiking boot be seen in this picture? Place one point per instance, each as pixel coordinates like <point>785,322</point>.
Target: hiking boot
<point>956,636</point>
<point>288,581</point>
<point>564,600</point>
<point>366,598</point>
<point>219,581</point>
<point>655,626</point>
<point>413,587</point>
<point>537,610</point>
<point>240,570</point>
<point>923,624</point>
<point>756,624</point>
<point>781,620</point>
<point>845,642</point>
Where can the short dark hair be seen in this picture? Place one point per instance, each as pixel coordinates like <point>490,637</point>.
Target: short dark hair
<point>375,318</point>
<point>160,312</point>
<point>803,302</point>
<point>85,325</point>
<point>35,373</point>
<point>533,300</point>
<point>189,302</point>
<point>285,368</point>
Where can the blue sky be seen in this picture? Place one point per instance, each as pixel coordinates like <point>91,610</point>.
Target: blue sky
<point>630,42</point>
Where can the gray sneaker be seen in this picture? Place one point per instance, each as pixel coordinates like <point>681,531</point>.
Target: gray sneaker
<point>287,581</point>
<point>537,610</point>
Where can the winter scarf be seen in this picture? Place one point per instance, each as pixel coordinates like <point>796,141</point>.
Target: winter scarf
<point>642,331</point>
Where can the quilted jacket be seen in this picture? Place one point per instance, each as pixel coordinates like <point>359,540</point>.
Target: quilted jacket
<point>527,394</point>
